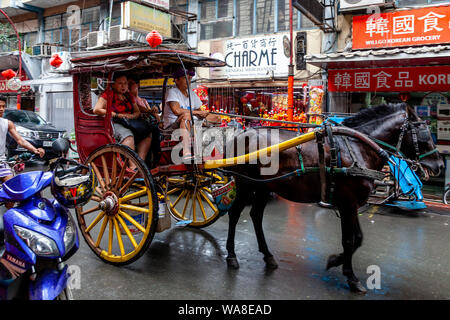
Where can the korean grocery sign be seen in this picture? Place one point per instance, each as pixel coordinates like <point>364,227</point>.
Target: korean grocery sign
<point>402,28</point>
<point>390,79</point>
<point>259,57</point>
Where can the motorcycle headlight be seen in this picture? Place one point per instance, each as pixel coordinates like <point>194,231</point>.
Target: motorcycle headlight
<point>64,135</point>
<point>70,233</point>
<point>38,243</point>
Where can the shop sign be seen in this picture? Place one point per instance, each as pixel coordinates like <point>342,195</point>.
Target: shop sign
<point>160,3</point>
<point>258,57</point>
<point>402,28</point>
<point>156,82</point>
<point>420,79</point>
<point>4,88</point>
<point>137,17</point>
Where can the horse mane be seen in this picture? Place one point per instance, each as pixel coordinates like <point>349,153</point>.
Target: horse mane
<point>378,112</point>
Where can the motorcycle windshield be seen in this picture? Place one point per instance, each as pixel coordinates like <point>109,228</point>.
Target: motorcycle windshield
<point>25,185</point>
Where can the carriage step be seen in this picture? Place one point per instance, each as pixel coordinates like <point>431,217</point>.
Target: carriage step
<point>384,183</point>
<point>375,200</point>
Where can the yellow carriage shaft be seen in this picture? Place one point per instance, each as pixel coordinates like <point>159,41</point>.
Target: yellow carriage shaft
<point>247,158</point>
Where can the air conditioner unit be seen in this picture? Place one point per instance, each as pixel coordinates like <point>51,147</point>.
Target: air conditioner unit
<point>118,34</point>
<point>96,39</point>
<point>349,5</point>
<point>43,50</point>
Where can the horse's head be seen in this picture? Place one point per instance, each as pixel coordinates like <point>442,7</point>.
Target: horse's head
<point>418,145</point>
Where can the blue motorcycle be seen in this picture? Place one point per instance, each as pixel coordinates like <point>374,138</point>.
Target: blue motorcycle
<point>40,234</point>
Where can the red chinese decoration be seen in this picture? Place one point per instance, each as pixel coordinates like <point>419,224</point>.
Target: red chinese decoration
<point>404,96</point>
<point>244,100</point>
<point>8,74</point>
<point>55,60</point>
<point>154,39</point>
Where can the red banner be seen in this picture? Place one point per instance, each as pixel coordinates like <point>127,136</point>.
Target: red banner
<point>390,79</point>
<point>402,28</point>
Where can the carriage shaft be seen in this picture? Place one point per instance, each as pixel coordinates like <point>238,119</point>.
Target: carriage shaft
<point>246,158</point>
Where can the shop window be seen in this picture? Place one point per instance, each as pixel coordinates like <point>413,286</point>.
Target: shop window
<point>409,3</point>
<point>216,20</point>
<point>214,30</point>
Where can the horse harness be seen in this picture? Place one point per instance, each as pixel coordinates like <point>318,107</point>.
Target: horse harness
<point>328,173</point>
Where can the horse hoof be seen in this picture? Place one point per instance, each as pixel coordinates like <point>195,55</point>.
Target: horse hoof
<point>232,263</point>
<point>271,263</point>
<point>333,261</point>
<point>356,287</point>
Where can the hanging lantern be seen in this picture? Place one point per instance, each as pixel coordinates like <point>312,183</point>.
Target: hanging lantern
<point>8,74</point>
<point>55,60</point>
<point>154,39</point>
<point>404,96</point>
<point>244,100</point>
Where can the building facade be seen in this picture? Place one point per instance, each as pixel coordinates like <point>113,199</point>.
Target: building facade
<point>390,52</point>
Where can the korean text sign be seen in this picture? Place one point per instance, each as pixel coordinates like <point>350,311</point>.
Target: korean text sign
<point>390,79</point>
<point>402,28</point>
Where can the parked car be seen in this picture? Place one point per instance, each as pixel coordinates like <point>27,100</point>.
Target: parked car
<point>34,129</point>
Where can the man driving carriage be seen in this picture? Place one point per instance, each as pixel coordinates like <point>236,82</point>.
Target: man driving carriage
<point>177,112</point>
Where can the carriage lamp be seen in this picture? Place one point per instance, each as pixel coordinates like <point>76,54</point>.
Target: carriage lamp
<point>154,39</point>
<point>55,60</point>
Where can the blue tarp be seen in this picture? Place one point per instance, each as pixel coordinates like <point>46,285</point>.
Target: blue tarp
<point>408,181</point>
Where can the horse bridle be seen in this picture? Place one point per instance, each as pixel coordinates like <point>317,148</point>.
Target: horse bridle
<point>412,126</point>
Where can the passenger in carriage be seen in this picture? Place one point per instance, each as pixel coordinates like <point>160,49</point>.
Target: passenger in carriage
<point>177,112</point>
<point>123,107</point>
<point>150,115</point>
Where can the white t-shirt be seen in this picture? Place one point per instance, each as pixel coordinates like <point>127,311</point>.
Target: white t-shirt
<point>174,94</point>
<point>3,132</point>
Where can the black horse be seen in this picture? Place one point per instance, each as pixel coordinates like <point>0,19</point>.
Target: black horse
<point>395,124</point>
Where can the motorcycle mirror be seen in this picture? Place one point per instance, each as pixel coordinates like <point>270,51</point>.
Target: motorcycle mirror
<point>60,146</point>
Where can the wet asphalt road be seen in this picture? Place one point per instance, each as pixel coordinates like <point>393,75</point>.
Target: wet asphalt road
<point>412,251</point>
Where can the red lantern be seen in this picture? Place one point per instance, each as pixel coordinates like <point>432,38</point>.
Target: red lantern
<point>154,39</point>
<point>404,96</point>
<point>55,60</point>
<point>244,100</point>
<point>8,74</point>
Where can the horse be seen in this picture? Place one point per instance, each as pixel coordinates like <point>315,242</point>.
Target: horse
<point>393,125</point>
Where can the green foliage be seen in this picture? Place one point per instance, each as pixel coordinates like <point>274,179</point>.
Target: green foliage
<point>7,36</point>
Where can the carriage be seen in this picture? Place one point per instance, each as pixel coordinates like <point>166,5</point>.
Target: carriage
<point>123,215</point>
<point>121,219</point>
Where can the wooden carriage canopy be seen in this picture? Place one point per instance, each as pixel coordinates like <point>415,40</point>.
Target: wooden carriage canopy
<point>153,63</point>
<point>93,131</point>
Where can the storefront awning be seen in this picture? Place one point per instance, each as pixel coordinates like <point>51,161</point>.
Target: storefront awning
<point>249,83</point>
<point>397,57</point>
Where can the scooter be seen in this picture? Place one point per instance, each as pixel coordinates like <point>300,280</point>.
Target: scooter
<point>39,236</point>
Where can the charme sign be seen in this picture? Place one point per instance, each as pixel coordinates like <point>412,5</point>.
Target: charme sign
<point>390,79</point>
<point>402,28</point>
<point>259,57</point>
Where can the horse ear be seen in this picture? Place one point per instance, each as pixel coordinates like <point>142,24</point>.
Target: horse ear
<point>412,115</point>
